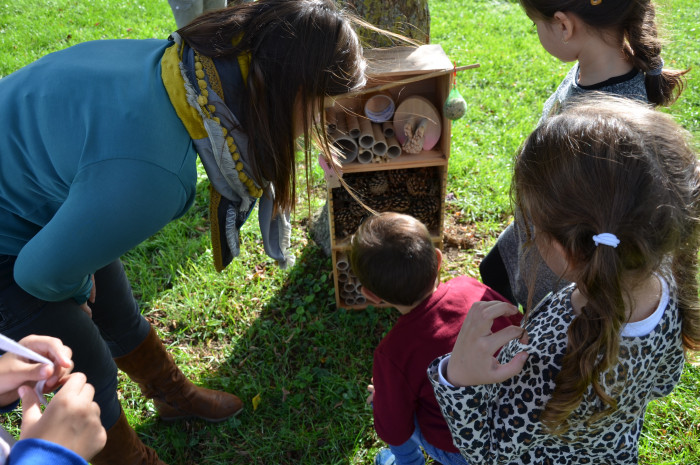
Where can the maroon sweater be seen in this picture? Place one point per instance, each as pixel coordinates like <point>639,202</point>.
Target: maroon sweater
<point>401,386</point>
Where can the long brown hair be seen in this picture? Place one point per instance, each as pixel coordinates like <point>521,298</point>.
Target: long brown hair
<point>633,23</point>
<point>304,48</point>
<point>616,166</point>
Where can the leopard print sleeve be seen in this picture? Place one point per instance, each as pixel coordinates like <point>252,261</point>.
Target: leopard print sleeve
<point>499,423</point>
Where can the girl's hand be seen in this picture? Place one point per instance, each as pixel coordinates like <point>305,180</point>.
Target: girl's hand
<point>71,419</point>
<point>370,389</point>
<point>16,371</point>
<point>472,361</point>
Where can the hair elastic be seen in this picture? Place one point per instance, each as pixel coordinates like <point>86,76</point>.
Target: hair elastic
<point>596,2</point>
<point>658,70</point>
<point>606,239</point>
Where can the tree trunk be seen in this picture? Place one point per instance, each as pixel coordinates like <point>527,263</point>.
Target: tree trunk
<point>410,18</point>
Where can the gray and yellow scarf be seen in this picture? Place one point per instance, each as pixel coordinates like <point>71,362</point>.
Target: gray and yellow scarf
<point>230,201</point>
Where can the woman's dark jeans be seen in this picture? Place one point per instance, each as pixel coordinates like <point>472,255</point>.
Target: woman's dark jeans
<point>116,327</point>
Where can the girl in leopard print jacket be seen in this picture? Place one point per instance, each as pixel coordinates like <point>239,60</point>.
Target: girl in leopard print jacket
<point>611,190</point>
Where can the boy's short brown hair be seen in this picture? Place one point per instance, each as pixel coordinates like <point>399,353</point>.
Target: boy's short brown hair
<point>393,256</point>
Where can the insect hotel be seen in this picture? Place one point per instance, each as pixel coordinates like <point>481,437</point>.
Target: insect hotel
<point>393,140</point>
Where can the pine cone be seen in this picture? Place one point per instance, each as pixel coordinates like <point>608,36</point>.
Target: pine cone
<point>382,203</point>
<point>340,196</point>
<point>432,204</point>
<point>378,184</point>
<point>400,204</point>
<point>398,178</point>
<point>356,209</point>
<point>426,209</point>
<point>418,186</point>
<point>342,221</point>
<point>358,181</point>
<point>353,224</point>
<point>361,189</point>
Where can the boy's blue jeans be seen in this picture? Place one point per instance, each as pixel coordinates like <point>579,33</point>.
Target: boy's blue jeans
<point>409,453</point>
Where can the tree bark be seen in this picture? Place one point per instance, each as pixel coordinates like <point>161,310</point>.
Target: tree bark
<point>410,18</point>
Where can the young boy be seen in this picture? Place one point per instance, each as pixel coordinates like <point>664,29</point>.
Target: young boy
<point>395,260</point>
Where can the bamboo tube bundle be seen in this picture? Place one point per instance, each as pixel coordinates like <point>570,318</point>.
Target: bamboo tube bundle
<point>366,139</point>
<point>343,143</point>
<point>388,129</point>
<point>348,298</point>
<point>343,277</point>
<point>353,125</point>
<point>379,147</point>
<point>393,148</point>
<point>380,108</point>
<point>342,264</point>
<point>365,156</point>
<point>350,286</point>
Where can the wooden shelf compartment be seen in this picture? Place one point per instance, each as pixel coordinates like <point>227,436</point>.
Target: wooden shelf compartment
<point>419,192</point>
<point>434,90</point>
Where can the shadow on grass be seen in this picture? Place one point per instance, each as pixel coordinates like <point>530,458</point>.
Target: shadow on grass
<point>300,365</point>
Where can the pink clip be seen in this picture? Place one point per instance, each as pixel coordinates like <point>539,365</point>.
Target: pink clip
<point>328,173</point>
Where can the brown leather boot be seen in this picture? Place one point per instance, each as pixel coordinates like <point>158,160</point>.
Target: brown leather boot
<point>125,448</point>
<point>174,395</point>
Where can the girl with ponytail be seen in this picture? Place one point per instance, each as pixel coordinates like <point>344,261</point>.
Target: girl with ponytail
<point>615,45</point>
<point>609,191</point>
<point>617,50</point>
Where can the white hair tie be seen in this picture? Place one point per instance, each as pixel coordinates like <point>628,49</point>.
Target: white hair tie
<point>606,239</point>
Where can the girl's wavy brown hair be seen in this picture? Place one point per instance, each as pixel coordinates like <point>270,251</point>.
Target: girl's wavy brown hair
<point>611,165</point>
<point>304,48</point>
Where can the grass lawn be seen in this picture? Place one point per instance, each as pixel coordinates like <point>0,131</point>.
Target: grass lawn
<point>274,337</point>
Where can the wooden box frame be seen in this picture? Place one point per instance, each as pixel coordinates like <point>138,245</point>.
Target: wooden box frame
<point>424,71</point>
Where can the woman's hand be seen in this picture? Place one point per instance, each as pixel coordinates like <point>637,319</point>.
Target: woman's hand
<point>472,361</point>
<point>16,371</point>
<point>71,420</point>
<point>93,292</point>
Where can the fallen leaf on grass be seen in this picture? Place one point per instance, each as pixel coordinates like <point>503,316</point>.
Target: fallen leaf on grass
<point>291,336</point>
<point>256,401</point>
